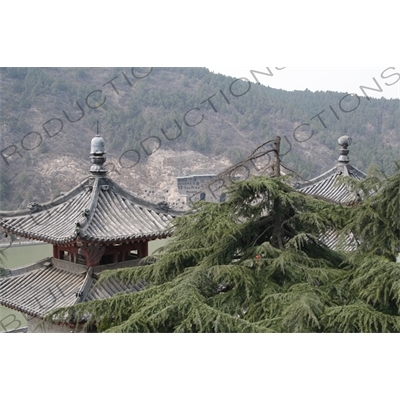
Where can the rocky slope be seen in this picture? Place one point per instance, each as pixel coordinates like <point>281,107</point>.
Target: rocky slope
<point>178,121</point>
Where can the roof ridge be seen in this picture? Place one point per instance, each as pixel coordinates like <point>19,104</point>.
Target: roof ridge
<point>318,178</point>
<point>36,207</point>
<point>87,214</point>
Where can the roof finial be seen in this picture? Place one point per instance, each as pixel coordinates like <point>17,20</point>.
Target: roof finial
<point>344,142</point>
<point>97,154</point>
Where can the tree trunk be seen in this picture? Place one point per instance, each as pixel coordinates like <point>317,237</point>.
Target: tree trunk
<point>277,163</point>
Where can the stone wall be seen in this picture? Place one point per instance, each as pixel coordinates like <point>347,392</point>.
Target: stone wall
<point>195,188</point>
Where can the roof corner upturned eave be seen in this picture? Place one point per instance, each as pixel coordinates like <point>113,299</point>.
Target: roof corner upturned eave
<point>327,187</point>
<point>53,222</point>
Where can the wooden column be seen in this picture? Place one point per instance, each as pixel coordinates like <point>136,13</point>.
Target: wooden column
<point>144,252</point>
<point>55,251</point>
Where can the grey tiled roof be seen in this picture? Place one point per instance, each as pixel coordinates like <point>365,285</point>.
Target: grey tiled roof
<point>326,186</point>
<point>36,292</point>
<point>110,287</point>
<point>53,283</point>
<point>97,210</point>
<point>330,239</point>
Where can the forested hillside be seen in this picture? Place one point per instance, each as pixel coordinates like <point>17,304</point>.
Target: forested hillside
<point>49,115</point>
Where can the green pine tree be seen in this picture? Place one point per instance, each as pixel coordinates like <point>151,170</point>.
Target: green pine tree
<point>251,264</point>
<point>255,264</point>
<point>372,284</point>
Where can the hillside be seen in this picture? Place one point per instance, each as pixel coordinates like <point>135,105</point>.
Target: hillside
<point>162,123</point>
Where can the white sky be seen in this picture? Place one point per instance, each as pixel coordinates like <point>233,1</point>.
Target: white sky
<point>347,80</point>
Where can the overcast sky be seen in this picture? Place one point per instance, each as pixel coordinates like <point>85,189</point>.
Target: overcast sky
<point>347,80</point>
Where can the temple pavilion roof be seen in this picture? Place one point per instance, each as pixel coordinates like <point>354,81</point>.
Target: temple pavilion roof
<point>50,283</point>
<point>97,210</point>
<point>327,187</point>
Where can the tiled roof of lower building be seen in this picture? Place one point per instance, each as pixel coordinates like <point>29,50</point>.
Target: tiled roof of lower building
<point>40,290</point>
<point>49,284</point>
<point>110,287</point>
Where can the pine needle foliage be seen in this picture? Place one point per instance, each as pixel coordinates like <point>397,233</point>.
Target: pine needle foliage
<point>359,317</point>
<point>255,264</point>
<point>375,222</point>
<point>371,288</point>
